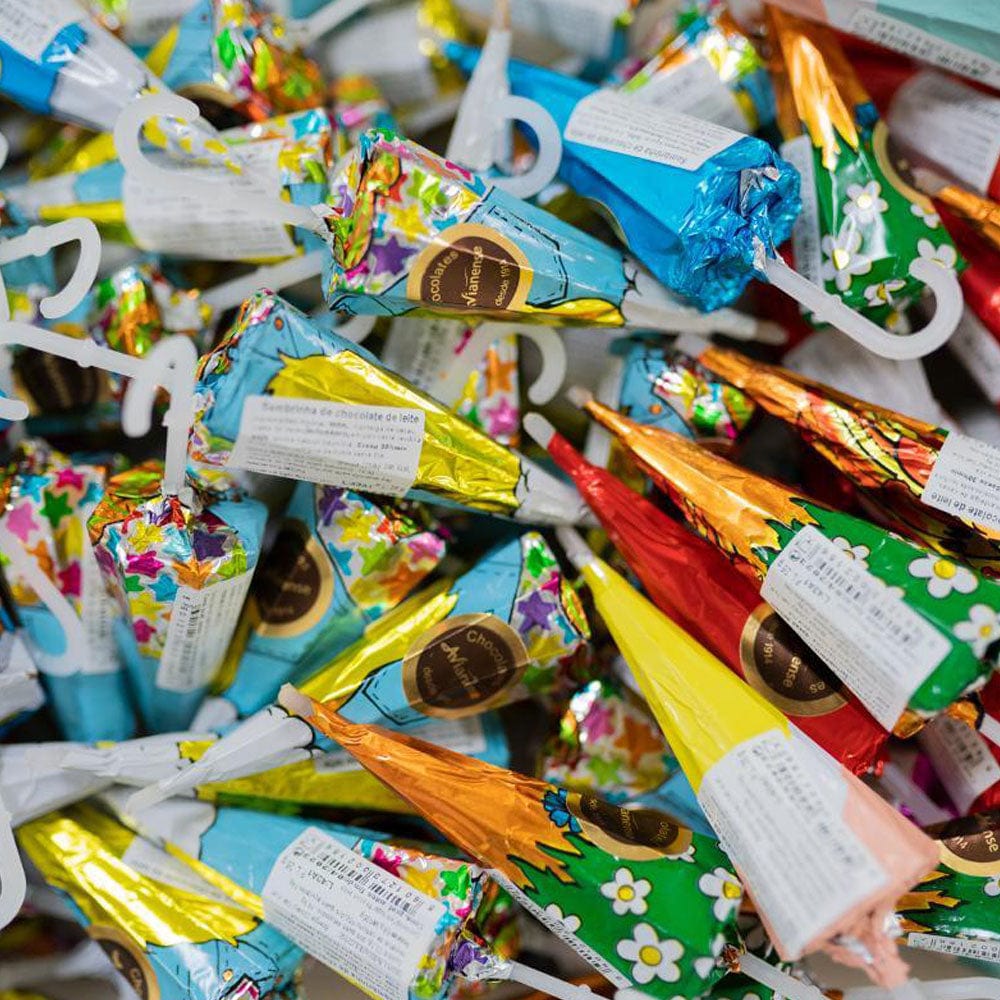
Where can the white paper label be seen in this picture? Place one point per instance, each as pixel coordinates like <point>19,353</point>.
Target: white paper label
<point>979,352</point>
<point>880,648</point>
<point>199,226</point>
<point>961,759</point>
<point>694,88</point>
<point>198,634</point>
<point>353,916</point>
<point>950,123</point>
<point>375,449</point>
<point>584,26</point>
<point>785,831</point>
<point>922,46</point>
<point>154,862</point>
<point>622,124</point>
<point>423,350</point>
<point>99,614</point>
<point>805,232</point>
<point>965,480</point>
<point>28,26</point>
<point>465,736</point>
<point>986,951</point>
<point>561,931</point>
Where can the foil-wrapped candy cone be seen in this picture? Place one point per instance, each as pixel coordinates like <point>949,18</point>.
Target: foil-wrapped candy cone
<point>839,580</point>
<point>169,931</point>
<point>762,782</point>
<point>412,231</point>
<point>288,156</point>
<point>508,628</point>
<point>889,455</point>
<point>862,225</point>
<point>338,561</point>
<point>283,395</point>
<point>369,886</point>
<point>710,69</point>
<point>645,900</point>
<point>238,61</point>
<point>727,615</point>
<point>180,571</point>
<point>697,203</point>
<point>48,499</point>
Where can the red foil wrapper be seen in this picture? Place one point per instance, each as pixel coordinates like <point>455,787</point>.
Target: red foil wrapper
<point>981,278</point>
<point>701,590</point>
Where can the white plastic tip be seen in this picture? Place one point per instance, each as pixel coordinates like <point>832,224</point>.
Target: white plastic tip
<point>577,550</point>
<point>579,396</point>
<point>538,428</point>
<point>544,983</point>
<point>293,700</point>
<point>769,332</point>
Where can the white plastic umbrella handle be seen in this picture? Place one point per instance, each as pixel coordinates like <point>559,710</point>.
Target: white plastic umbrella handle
<point>548,342</point>
<point>13,883</point>
<point>943,282</point>
<point>234,292</point>
<point>548,137</point>
<point>128,129</point>
<point>39,240</point>
<point>170,364</point>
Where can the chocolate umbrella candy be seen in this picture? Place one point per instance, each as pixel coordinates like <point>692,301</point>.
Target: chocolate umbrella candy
<point>173,935</point>
<point>284,396</point>
<point>643,899</point>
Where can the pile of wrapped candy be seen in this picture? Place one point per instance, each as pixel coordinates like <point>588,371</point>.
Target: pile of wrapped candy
<point>344,635</point>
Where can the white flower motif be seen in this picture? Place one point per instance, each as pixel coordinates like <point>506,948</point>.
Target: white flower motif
<point>897,321</point>
<point>880,294</point>
<point>628,895</point>
<point>859,553</point>
<point>931,219</point>
<point>843,261</point>
<point>652,957</point>
<point>944,255</point>
<point>981,629</point>
<point>992,888</point>
<point>686,855</point>
<point>707,963</point>
<point>943,576</point>
<point>866,203</point>
<point>724,888</point>
<point>571,922</point>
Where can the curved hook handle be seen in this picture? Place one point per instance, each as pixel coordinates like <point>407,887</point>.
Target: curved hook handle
<point>948,302</point>
<point>169,365</point>
<point>473,353</point>
<point>128,128</point>
<point>52,597</point>
<point>41,239</point>
<point>549,138</point>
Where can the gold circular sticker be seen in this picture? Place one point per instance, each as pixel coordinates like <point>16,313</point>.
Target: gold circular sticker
<point>471,267</point>
<point>463,666</point>
<point>293,586</point>
<point>975,851</point>
<point>780,666</point>
<point>128,958</point>
<point>633,834</point>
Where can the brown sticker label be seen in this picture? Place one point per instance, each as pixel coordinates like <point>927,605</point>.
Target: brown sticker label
<point>471,267</point>
<point>293,584</point>
<point>463,666</point>
<point>976,850</point>
<point>128,958</point>
<point>635,834</point>
<point>779,665</point>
